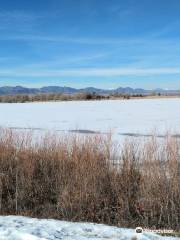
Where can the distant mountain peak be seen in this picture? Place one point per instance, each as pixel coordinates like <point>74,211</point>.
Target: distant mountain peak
<point>10,90</point>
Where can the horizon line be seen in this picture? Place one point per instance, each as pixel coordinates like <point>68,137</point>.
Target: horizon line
<point>76,88</point>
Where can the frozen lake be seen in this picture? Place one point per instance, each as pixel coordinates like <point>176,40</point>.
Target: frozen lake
<point>121,117</point>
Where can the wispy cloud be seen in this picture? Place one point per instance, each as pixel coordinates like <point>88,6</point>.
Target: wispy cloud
<point>114,42</point>
<point>15,15</point>
<point>17,20</point>
<point>166,29</point>
<point>78,40</point>
<point>89,72</point>
<point>24,22</point>
<point>66,60</point>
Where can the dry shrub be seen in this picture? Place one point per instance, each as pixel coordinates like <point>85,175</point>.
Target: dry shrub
<point>74,178</point>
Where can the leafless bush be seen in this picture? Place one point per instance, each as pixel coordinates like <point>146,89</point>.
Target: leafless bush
<point>73,178</point>
<point>45,97</point>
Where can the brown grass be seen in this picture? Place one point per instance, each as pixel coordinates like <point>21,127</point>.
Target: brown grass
<point>52,97</point>
<point>73,178</point>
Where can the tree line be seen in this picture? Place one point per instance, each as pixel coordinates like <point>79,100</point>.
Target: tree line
<point>23,98</point>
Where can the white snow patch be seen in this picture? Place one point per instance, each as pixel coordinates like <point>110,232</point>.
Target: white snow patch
<point>23,228</point>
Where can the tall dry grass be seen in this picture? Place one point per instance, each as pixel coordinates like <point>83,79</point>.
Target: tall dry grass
<point>91,179</point>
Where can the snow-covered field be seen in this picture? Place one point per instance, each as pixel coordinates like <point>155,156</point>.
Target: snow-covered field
<point>122,117</point>
<point>21,228</point>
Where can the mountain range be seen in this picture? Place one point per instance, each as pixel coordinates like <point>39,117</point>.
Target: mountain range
<point>8,90</point>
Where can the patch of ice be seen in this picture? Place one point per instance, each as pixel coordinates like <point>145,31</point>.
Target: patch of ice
<point>136,117</point>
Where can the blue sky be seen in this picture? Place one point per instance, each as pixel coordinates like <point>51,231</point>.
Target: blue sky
<point>80,43</point>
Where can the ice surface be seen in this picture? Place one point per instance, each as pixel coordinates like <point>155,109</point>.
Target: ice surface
<point>121,117</point>
<point>22,228</point>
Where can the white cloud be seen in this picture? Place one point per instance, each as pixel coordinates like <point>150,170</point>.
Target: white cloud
<point>89,72</point>
<point>79,40</point>
<point>23,22</point>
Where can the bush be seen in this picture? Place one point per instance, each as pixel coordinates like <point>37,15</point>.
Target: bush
<point>74,178</point>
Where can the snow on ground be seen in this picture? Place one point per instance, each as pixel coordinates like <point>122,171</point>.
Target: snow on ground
<point>122,117</point>
<point>22,228</point>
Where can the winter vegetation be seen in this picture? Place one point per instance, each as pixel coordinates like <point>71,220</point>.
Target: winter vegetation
<point>46,97</point>
<point>22,98</point>
<point>91,179</point>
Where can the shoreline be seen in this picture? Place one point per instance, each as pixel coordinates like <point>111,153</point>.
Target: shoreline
<point>95,100</point>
